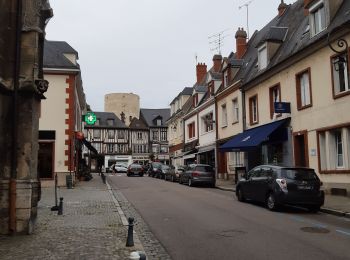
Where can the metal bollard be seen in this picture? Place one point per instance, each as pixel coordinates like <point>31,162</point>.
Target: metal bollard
<point>55,208</point>
<point>130,238</point>
<point>103,178</point>
<point>60,207</point>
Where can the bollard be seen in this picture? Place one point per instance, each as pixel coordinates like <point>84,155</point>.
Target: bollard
<point>60,207</point>
<point>55,208</point>
<point>103,178</point>
<point>130,238</point>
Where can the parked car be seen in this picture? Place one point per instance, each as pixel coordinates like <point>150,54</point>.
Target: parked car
<point>275,185</point>
<point>119,168</point>
<point>174,173</point>
<point>198,174</point>
<point>154,169</point>
<point>135,169</point>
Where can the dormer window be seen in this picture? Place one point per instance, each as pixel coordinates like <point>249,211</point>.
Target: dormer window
<point>159,122</point>
<point>226,78</point>
<point>317,17</point>
<point>110,122</point>
<point>262,57</point>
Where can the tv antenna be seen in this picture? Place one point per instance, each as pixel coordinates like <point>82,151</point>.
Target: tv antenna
<point>246,5</point>
<point>217,40</point>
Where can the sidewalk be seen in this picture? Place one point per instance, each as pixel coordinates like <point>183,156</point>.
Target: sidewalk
<point>335,205</point>
<point>91,227</point>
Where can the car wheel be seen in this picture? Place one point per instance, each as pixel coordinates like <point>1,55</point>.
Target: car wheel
<point>180,182</point>
<point>240,196</point>
<point>128,174</point>
<point>271,202</point>
<point>190,183</point>
<point>141,175</point>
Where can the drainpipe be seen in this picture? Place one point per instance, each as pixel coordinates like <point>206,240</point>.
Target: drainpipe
<point>17,66</point>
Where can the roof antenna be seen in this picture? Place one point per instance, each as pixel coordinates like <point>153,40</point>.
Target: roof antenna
<point>196,57</point>
<point>246,5</point>
<point>217,40</point>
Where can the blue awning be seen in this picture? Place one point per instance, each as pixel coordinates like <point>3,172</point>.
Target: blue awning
<point>253,137</point>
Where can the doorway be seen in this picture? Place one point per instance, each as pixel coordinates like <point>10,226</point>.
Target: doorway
<point>46,160</point>
<point>301,156</point>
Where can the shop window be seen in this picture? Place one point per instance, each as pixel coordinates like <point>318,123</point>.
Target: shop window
<point>303,89</point>
<point>334,149</point>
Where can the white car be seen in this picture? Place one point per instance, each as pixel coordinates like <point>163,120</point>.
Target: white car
<point>119,168</point>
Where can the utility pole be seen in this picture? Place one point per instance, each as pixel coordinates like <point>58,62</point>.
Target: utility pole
<point>246,5</point>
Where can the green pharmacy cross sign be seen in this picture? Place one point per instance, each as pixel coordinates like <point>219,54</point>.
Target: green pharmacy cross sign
<point>90,118</point>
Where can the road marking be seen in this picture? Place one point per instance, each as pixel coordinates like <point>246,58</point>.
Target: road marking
<point>343,232</point>
<point>317,224</point>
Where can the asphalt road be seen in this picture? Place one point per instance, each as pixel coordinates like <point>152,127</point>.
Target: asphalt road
<point>206,223</point>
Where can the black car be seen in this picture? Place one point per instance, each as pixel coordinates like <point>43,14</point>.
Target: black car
<point>198,174</point>
<point>276,185</point>
<point>135,169</point>
<point>155,169</point>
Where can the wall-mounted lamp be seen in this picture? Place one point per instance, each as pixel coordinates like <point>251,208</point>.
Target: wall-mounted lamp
<point>341,49</point>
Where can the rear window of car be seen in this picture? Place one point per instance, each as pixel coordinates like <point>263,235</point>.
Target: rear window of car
<point>204,168</point>
<point>299,174</point>
<point>156,165</point>
<point>135,166</point>
<point>165,167</point>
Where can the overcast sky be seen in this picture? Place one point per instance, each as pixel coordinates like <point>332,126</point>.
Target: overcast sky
<point>149,47</point>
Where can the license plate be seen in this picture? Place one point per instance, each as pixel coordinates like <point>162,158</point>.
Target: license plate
<point>305,187</point>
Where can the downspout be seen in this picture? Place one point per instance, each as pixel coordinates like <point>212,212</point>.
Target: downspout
<point>216,139</point>
<point>13,177</point>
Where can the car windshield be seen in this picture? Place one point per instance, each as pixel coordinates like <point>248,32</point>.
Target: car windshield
<point>156,165</point>
<point>135,166</point>
<point>204,168</point>
<point>165,167</point>
<point>299,174</point>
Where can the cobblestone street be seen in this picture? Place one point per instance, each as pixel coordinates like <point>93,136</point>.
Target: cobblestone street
<point>90,228</point>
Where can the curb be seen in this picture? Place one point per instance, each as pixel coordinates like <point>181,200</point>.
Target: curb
<point>225,189</point>
<point>125,222</point>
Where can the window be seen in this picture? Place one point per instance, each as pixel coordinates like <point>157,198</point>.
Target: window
<point>334,150</point>
<point>97,147</point>
<point>110,122</point>
<point>163,149</point>
<point>121,134</point>
<point>317,18</point>
<point>339,149</point>
<point>155,148</point>
<point>110,148</point>
<point>224,115</point>
<point>159,122</point>
<point>226,78</point>
<point>207,122</point>
<point>236,158</point>
<point>262,57</point>
<point>164,134</point>
<point>275,96</point>
<point>110,134</point>
<point>155,135</point>
<point>253,110</point>
<point>191,130</point>
<point>235,109</point>
<point>139,135</point>
<point>97,133</point>
<point>340,74</point>
<point>303,85</point>
<point>97,121</point>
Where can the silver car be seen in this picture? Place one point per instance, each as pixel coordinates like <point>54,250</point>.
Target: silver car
<point>198,174</point>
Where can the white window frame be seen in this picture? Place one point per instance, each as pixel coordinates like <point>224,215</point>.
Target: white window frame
<point>339,144</point>
<point>224,115</point>
<point>262,57</point>
<point>235,110</point>
<point>305,93</point>
<point>316,12</point>
<point>336,76</point>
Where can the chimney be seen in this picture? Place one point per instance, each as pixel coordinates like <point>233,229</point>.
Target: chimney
<point>281,8</point>
<point>241,43</point>
<point>122,117</point>
<point>306,7</point>
<point>201,70</point>
<point>217,59</point>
